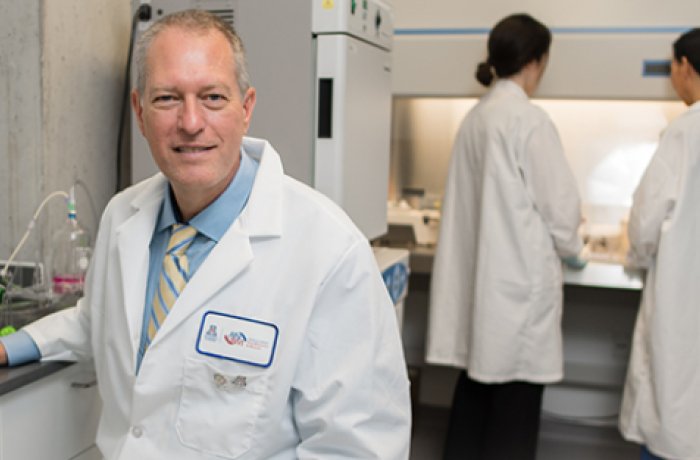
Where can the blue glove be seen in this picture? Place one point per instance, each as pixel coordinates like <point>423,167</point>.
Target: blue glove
<point>575,262</point>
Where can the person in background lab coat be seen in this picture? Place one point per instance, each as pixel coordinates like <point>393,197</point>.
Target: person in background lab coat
<point>661,401</point>
<point>312,366</point>
<point>511,212</point>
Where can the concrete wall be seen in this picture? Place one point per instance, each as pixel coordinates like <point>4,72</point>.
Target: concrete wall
<point>21,147</point>
<point>61,75</point>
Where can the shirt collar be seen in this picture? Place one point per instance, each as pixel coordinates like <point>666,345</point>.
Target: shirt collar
<point>215,219</point>
<point>695,106</point>
<point>506,84</point>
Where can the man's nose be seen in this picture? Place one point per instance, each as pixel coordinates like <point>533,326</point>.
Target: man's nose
<point>192,117</point>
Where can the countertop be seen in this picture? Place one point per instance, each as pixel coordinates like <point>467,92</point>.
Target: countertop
<point>594,274</point>
<point>12,378</point>
<point>604,275</point>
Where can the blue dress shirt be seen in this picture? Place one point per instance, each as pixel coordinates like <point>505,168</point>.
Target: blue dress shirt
<point>20,348</point>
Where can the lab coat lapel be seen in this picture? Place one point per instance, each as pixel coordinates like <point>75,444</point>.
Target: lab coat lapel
<point>231,255</point>
<point>133,240</point>
<point>261,218</point>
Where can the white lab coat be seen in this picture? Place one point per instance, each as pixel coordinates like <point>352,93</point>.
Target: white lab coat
<point>661,402</point>
<point>511,208</point>
<point>337,387</point>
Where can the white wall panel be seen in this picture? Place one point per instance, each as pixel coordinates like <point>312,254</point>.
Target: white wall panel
<point>598,50</point>
<point>561,13</point>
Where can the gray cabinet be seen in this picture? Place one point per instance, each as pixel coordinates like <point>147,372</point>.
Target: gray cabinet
<point>54,417</point>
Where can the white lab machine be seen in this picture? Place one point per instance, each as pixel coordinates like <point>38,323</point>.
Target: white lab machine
<point>423,224</point>
<point>393,264</point>
<point>322,70</point>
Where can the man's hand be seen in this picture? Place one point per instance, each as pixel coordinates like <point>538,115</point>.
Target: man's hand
<point>3,355</point>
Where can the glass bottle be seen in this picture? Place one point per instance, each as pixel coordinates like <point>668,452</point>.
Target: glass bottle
<point>71,253</point>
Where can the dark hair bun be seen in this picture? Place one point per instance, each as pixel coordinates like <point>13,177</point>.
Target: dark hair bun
<point>484,73</point>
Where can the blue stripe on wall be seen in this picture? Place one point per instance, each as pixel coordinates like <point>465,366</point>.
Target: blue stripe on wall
<point>555,30</point>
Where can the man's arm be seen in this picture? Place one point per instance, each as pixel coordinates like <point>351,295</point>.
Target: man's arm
<point>18,348</point>
<point>351,392</point>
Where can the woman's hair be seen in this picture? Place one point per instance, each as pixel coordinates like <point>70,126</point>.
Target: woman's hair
<point>688,46</point>
<point>513,43</point>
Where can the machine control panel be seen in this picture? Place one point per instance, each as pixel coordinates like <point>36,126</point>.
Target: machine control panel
<point>225,9</point>
<point>369,20</point>
<point>656,68</point>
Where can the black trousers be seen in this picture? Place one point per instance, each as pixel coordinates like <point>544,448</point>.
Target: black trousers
<point>494,421</point>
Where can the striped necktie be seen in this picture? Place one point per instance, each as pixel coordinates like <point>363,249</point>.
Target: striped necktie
<point>173,278</point>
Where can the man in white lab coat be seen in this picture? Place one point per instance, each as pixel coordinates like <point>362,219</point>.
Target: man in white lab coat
<point>661,403</point>
<point>283,342</point>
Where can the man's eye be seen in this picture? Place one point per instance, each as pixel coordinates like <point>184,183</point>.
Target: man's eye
<point>215,100</point>
<point>163,99</point>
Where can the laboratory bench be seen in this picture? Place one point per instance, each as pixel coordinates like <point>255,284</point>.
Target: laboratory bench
<point>13,378</point>
<point>595,274</point>
<point>600,306</point>
<point>48,410</point>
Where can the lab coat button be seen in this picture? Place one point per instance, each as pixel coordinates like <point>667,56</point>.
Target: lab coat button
<point>240,382</point>
<point>219,380</point>
<point>137,431</point>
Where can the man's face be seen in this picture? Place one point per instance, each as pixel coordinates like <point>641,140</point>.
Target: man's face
<point>191,111</point>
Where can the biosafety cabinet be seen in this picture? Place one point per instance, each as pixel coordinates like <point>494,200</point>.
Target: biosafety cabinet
<point>607,90</point>
<point>322,70</point>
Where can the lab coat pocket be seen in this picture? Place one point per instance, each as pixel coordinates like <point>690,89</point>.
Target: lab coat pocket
<point>219,406</point>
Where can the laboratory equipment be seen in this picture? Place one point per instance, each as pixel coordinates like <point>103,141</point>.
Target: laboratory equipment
<point>24,297</point>
<point>322,70</point>
<point>423,224</point>
<point>9,263</point>
<point>393,264</point>
<point>607,91</point>
<point>70,257</point>
<point>618,54</point>
<point>608,154</point>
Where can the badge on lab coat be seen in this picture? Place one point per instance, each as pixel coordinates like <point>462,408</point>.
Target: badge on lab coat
<point>235,338</point>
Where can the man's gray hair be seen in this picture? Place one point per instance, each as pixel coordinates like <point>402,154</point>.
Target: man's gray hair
<point>196,21</point>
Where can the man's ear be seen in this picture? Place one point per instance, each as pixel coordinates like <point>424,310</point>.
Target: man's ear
<point>248,106</point>
<point>137,108</point>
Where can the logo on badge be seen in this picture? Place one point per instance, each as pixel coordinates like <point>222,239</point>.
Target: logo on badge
<point>236,338</point>
<point>212,333</point>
